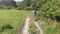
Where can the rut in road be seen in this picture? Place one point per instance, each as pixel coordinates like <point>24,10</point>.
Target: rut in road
<point>26,26</point>
<point>38,28</point>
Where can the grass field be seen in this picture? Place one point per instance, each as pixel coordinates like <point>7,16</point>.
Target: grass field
<point>10,20</point>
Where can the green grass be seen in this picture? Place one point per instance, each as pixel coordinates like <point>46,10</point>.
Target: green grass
<point>11,19</point>
<point>51,27</point>
<point>48,25</point>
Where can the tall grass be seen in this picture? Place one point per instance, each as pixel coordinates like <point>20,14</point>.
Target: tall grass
<point>10,20</point>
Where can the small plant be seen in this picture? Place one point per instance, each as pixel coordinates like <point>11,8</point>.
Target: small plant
<point>5,26</point>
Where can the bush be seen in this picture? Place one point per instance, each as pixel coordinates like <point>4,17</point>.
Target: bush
<point>19,8</point>
<point>50,10</point>
<point>7,7</point>
<point>5,26</point>
<point>28,8</point>
<point>1,7</point>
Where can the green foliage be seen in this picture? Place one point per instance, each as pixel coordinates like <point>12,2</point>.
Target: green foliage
<point>7,7</point>
<point>10,20</point>
<point>51,9</point>
<point>32,30</point>
<point>5,26</point>
<point>30,4</point>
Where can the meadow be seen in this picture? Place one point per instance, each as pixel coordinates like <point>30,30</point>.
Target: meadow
<point>10,20</point>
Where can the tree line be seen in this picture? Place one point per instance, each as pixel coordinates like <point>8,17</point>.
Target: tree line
<point>47,8</point>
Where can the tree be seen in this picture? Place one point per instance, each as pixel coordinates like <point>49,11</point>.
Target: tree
<point>51,9</point>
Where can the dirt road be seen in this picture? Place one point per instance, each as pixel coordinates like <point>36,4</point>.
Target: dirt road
<point>26,26</point>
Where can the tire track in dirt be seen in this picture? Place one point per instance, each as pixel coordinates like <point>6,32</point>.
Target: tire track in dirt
<point>38,28</point>
<point>26,26</point>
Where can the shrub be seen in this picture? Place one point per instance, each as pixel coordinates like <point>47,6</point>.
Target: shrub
<point>51,10</point>
<point>7,7</point>
<point>5,26</point>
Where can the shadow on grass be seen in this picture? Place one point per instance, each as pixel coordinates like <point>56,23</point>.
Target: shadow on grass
<point>5,27</point>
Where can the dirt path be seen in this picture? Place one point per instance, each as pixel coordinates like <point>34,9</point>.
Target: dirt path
<point>38,28</point>
<point>26,26</point>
